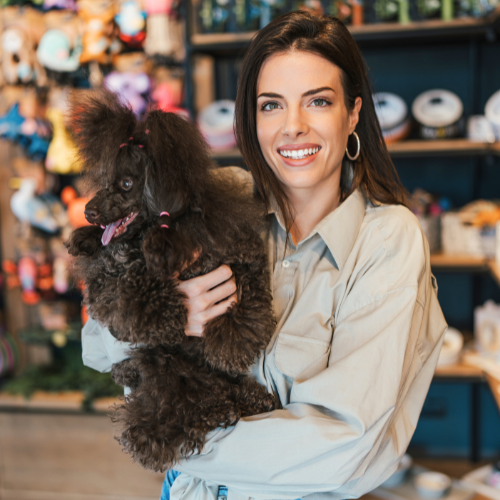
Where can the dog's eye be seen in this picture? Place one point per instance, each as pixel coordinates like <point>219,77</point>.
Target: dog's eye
<point>126,184</point>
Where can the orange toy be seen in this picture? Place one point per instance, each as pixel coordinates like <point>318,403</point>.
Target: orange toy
<point>99,31</point>
<point>76,207</point>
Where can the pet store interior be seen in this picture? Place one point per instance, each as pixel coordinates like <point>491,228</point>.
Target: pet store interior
<point>436,83</point>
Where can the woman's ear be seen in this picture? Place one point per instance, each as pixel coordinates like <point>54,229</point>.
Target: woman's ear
<point>354,114</point>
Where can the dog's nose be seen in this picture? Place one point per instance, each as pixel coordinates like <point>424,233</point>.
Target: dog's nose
<point>91,214</point>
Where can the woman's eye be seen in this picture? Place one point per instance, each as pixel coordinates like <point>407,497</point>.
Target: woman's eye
<point>269,106</point>
<point>126,184</point>
<point>321,102</point>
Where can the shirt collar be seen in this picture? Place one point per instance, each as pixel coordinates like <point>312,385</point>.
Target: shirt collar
<point>340,228</point>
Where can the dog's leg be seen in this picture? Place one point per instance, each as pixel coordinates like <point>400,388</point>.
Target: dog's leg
<point>253,398</point>
<point>233,340</point>
<point>84,241</point>
<point>126,373</point>
<point>149,309</point>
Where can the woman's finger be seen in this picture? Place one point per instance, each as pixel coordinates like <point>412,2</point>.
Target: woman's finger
<point>201,284</point>
<point>220,292</point>
<point>220,308</point>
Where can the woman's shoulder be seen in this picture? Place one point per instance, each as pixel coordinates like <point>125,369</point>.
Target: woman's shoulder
<point>392,239</point>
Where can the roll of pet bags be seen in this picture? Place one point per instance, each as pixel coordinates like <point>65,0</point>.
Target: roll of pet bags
<point>392,114</point>
<point>439,114</point>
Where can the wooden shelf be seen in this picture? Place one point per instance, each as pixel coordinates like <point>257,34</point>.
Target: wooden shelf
<point>458,370</point>
<point>410,149</point>
<point>417,31</point>
<point>442,147</point>
<point>466,262</point>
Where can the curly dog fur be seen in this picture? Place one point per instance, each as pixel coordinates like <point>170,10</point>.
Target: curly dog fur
<point>181,387</point>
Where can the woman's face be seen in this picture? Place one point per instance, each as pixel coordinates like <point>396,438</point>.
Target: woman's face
<point>302,121</point>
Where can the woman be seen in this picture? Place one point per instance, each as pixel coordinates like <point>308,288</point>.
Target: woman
<point>359,326</point>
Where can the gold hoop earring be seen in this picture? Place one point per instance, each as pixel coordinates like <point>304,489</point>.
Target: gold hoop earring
<point>352,158</point>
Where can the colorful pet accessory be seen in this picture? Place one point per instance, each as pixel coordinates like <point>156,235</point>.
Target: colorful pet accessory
<point>164,218</point>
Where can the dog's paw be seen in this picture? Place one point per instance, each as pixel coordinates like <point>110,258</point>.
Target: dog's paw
<point>85,241</point>
<point>230,346</point>
<point>125,374</point>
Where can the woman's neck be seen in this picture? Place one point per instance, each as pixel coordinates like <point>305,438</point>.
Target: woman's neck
<point>310,208</point>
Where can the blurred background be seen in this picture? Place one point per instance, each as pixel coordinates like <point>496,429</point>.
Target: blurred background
<point>436,83</point>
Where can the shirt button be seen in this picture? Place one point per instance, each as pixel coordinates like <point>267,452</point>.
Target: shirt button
<point>286,263</point>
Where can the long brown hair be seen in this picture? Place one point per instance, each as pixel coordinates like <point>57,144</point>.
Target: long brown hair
<point>373,172</point>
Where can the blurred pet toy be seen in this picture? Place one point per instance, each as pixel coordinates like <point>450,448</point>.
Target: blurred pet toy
<point>99,30</point>
<point>130,87</point>
<point>62,156</point>
<point>132,23</point>
<point>161,210</point>
<point>22,29</point>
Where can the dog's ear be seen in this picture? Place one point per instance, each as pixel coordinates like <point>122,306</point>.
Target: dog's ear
<point>180,163</point>
<point>167,250</point>
<point>98,123</point>
<point>84,241</point>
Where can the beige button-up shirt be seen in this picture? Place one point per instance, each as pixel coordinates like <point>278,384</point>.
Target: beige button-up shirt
<point>358,338</point>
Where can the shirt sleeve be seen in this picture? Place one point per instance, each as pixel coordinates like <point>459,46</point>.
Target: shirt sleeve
<point>100,350</point>
<point>345,428</point>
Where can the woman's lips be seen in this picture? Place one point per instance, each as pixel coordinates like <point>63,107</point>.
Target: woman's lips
<point>297,147</point>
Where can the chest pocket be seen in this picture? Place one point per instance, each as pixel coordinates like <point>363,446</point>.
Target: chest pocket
<point>305,356</point>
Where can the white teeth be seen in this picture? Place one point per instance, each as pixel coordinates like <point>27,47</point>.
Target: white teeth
<point>299,154</point>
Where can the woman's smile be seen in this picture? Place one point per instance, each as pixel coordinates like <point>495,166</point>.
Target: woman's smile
<point>298,155</point>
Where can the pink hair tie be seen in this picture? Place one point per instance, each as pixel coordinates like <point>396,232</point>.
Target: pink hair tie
<point>124,144</point>
<point>163,214</point>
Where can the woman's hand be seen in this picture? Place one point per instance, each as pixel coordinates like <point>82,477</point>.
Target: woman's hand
<point>208,296</point>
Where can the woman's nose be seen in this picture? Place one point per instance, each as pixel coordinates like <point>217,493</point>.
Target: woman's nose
<point>294,123</point>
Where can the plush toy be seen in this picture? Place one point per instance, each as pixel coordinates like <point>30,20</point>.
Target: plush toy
<point>98,16</point>
<point>59,4</point>
<point>22,29</point>
<point>131,88</point>
<point>62,155</point>
<point>30,277</point>
<point>31,133</point>
<point>131,20</point>
<point>167,99</point>
<point>61,45</point>
<point>75,207</point>
<point>27,206</point>
<point>164,32</point>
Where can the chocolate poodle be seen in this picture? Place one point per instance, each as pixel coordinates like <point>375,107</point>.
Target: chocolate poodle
<point>161,212</point>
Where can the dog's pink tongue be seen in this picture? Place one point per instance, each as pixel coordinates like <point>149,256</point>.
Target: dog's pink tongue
<point>110,231</point>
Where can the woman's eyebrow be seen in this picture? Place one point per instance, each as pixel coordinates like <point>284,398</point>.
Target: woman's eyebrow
<point>305,94</point>
<point>315,91</point>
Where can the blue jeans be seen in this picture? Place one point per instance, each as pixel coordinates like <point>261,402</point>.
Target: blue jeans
<point>169,481</point>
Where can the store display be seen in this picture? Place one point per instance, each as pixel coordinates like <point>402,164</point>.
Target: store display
<point>392,114</point>
<point>432,484</point>
<point>487,330</point>
<point>480,129</point>
<point>439,114</point>
<point>99,33</point>
<point>22,28</point>
<point>61,155</point>
<point>452,347</point>
<point>492,113</point>
<point>131,21</point>
<point>471,230</point>
<point>216,125</point>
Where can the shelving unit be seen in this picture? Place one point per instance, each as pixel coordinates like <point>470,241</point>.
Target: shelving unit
<point>372,33</point>
<point>405,149</point>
